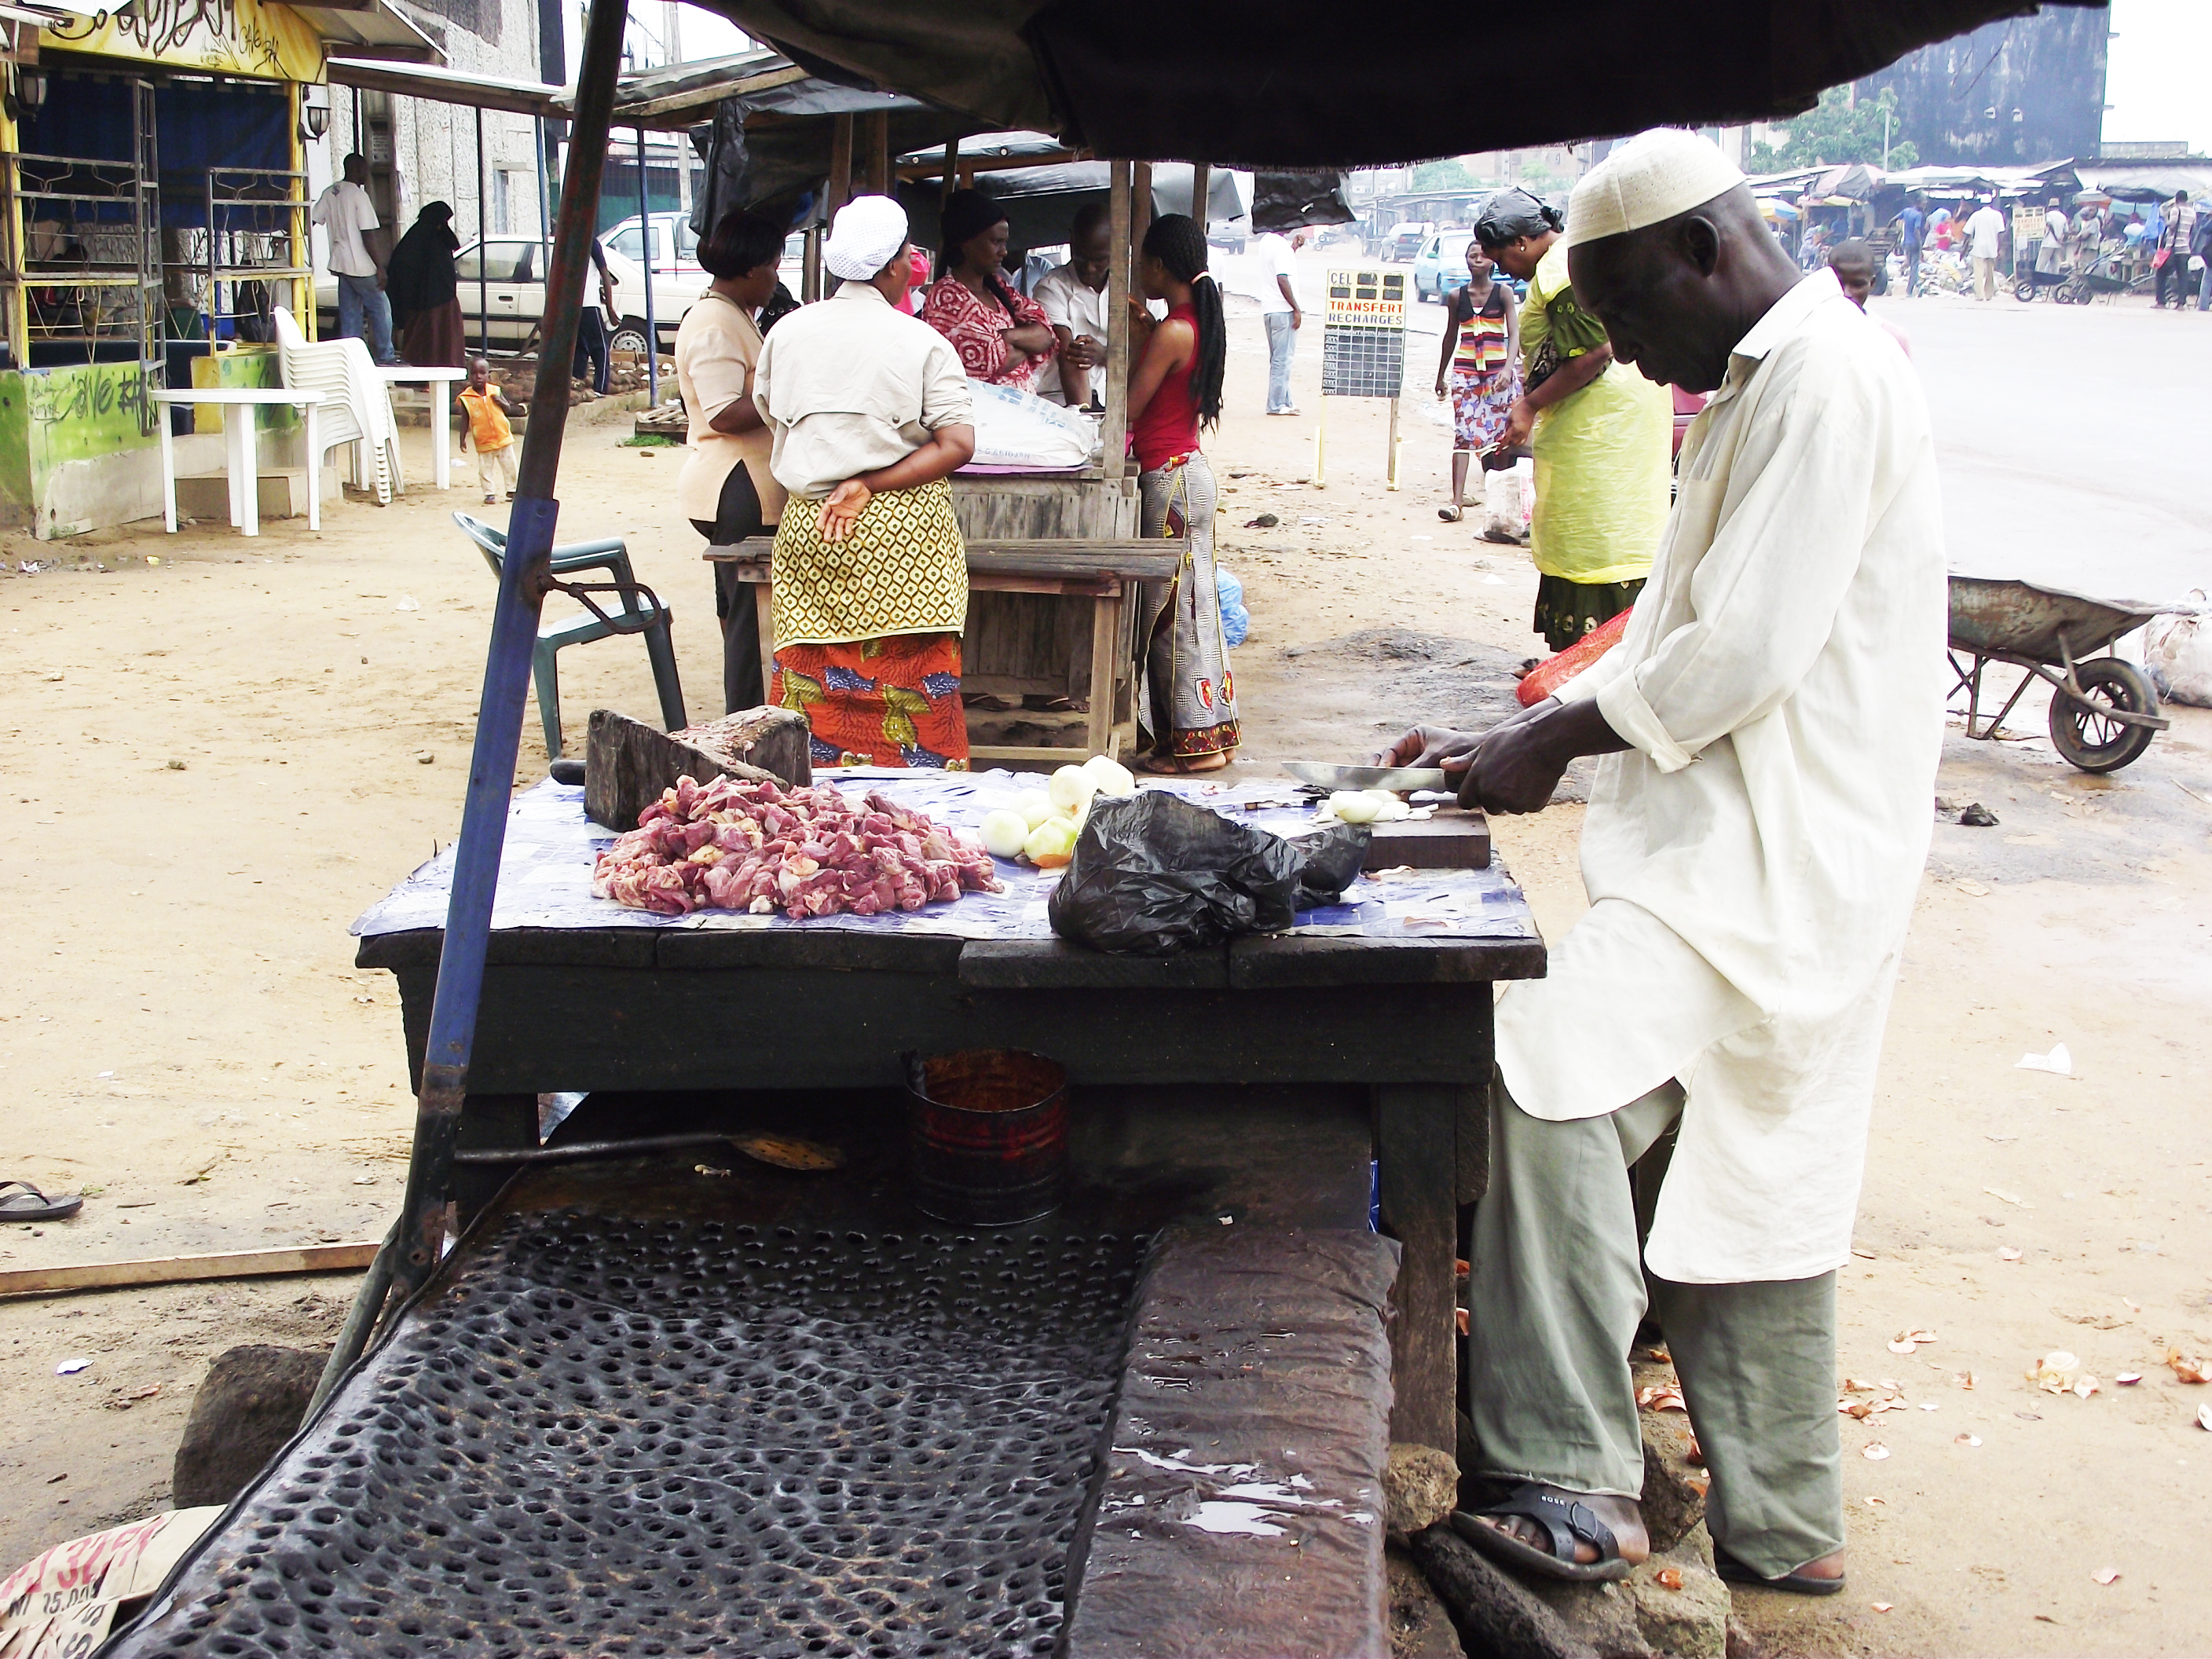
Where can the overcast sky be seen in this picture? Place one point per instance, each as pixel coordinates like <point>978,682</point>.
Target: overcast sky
<point>2159,79</point>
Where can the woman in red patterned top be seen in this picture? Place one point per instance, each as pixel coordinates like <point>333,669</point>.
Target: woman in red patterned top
<point>1186,700</point>
<point>1002,335</point>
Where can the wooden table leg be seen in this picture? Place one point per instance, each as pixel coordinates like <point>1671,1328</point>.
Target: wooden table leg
<point>1417,1143</point>
<point>1105,634</point>
<point>764,619</point>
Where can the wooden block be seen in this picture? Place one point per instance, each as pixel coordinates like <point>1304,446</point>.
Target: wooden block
<point>1455,839</point>
<point>626,763</point>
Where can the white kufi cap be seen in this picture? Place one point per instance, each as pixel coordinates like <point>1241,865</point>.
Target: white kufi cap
<point>867,231</point>
<point>1651,178</point>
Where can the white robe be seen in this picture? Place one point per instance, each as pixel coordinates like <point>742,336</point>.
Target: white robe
<point>1752,860</point>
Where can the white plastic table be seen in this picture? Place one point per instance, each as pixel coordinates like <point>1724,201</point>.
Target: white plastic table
<point>243,442</point>
<point>440,379</point>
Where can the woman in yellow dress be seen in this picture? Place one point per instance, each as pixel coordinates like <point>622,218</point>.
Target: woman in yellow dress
<point>1601,434</point>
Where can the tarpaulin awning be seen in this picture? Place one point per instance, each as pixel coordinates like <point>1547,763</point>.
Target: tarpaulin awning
<point>1256,84</point>
<point>2151,182</point>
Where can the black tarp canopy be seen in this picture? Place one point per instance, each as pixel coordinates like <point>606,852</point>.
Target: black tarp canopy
<point>1264,83</point>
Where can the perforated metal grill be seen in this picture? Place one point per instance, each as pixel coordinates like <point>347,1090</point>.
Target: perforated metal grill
<point>616,1437</point>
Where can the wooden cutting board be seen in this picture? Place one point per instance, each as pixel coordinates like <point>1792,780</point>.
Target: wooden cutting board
<point>1453,839</point>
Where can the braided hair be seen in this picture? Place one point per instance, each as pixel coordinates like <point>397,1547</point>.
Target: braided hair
<point>1176,242</point>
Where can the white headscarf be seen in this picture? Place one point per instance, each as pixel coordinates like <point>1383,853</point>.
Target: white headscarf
<point>1652,177</point>
<point>867,231</point>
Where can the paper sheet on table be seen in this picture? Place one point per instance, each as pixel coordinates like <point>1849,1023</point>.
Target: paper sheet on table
<point>545,873</point>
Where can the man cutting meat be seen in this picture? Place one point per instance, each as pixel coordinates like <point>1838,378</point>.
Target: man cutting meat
<point>1770,721</point>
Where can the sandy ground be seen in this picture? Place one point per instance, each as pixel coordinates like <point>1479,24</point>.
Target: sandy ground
<point>214,762</point>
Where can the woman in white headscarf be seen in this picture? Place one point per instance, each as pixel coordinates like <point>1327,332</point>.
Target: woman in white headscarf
<point>870,414</point>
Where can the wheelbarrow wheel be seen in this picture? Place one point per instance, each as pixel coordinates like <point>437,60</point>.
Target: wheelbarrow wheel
<point>2024,290</point>
<point>2084,733</point>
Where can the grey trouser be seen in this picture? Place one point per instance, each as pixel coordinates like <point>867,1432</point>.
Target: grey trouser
<point>1557,1291</point>
<point>1282,342</point>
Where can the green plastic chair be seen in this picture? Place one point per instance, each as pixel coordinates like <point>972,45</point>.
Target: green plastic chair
<point>613,557</point>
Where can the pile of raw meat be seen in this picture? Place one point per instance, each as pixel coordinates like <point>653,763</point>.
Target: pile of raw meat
<point>760,847</point>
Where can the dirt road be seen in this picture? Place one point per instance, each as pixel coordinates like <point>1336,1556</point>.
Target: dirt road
<point>215,762</point>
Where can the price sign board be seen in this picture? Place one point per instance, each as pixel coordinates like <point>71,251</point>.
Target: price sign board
<point>1363,335</point>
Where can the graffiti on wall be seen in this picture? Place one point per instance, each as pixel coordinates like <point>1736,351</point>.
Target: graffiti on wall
<point>233,36</point>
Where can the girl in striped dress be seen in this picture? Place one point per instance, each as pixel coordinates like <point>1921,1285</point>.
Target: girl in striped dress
<point>1481,362</point>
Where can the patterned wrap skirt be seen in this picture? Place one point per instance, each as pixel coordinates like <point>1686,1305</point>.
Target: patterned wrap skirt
<point>867,631</point>
<point>1566,611</point>
<point>1481,400</point>
<point>1187,697</point>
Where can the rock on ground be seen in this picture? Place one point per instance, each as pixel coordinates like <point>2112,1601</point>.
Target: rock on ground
<point>250,1405</point>
<point>1492,1610</point>
<point>1674,1500</point>
<point>1673,1605</point>
<point>1420,1627</point>
<point>1421,1485</point>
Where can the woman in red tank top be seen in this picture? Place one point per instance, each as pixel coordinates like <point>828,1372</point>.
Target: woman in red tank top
<point>1187,697</point>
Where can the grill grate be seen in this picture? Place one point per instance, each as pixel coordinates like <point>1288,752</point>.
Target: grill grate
<point>683,1437</point>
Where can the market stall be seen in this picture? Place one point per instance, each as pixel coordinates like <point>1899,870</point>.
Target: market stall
<point>650,1396</point>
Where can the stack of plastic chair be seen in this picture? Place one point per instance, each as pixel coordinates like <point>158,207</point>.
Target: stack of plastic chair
<point>356,406</point>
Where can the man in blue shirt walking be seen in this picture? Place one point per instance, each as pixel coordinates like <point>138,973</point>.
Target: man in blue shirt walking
<point>1912,225</point>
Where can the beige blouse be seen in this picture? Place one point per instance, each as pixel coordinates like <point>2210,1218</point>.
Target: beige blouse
<point>718,350</point>
<point>849,385</point>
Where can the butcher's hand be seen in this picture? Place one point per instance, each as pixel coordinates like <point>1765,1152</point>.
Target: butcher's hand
<point>842,510</point>
<point>1432,745</point>
<point>1519,763</point>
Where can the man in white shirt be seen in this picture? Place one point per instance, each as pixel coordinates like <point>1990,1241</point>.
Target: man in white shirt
<point>1770,724</point>
<point>1984,237</point>
<point>357,259</point>
<point>1281,311</point>
<point>1074,296</point>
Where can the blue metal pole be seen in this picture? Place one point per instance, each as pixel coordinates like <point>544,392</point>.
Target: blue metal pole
<point>523,575</point>
<point>651,245</point>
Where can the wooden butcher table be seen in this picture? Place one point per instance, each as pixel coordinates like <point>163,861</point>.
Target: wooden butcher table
<point>1389,995</point>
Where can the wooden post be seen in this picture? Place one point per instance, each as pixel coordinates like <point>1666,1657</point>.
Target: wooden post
<point>841,163</point>
<point>1321,446</point>
<point>879,153</point>
<point>1418,1152</point>
<point>1115,434</point>
<point>1201,190</point>
<point>1391,481</point>
<point>951,179</point>
<point>1140,213</point>
<point>810,280</point>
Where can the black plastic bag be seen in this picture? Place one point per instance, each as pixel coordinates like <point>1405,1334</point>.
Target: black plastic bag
<point>1153,875</point>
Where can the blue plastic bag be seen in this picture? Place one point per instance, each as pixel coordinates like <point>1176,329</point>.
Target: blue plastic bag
<point>1235,620</point>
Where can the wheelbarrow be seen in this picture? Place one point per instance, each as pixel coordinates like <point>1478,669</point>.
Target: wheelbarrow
<point>2104,710</point>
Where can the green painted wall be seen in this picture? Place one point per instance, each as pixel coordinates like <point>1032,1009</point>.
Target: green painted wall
<point>246,366</point>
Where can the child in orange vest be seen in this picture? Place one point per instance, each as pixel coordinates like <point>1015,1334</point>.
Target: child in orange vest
<point>487,434</point>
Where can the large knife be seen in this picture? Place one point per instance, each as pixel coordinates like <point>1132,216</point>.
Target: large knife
<point>1394,778</point>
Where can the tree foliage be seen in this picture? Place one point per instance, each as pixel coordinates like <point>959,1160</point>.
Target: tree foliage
<point>1834,132</point>
<point>1449,174</point>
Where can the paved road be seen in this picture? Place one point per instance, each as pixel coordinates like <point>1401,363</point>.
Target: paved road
<point>2074,441</point>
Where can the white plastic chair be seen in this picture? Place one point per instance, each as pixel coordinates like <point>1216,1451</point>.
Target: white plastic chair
<point>356,407</point>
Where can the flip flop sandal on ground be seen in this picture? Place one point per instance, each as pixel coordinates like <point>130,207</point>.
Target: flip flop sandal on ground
<point>1451,514</point>
<point>20,1201</point>
<point>1734,1571</point>
<point>1564,1521</point>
